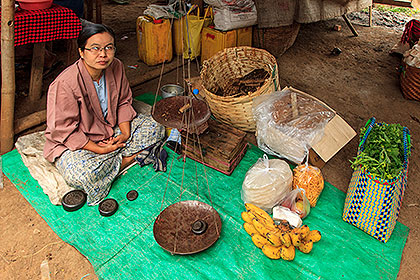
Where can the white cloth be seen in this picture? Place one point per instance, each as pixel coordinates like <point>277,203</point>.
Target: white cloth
<point>276,13</point>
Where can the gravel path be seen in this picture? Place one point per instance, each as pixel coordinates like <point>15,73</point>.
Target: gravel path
<point>388,19</point>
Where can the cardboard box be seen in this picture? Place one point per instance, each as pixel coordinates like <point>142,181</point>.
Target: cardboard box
<point>337,134</point>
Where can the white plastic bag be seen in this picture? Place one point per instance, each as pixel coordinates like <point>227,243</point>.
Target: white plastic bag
<point>267,183</point>
<point>230,3</point>
<point>232,18</point>
<point>289,123</point>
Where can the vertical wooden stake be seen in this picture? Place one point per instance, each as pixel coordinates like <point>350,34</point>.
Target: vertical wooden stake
<point>8,86</point>
<point>98,11</point>
<point>37,69</point>
<point>72,51</point>
<point>370,15</point>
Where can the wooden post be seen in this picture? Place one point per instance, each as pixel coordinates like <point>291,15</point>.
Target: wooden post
<point>8,86</point>
<point>353,30</point>
<point>98,18</point>
<point>89,10</point>
<point>72,51</point>
<point>370,15</point>
<point>37,70</point>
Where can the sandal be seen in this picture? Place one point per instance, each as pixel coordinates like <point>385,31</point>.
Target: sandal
<point>121,2</point>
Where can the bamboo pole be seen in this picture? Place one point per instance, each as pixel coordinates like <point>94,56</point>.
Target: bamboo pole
<point>7,74</point>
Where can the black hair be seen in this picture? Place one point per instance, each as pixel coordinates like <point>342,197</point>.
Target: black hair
<point>89,29</point>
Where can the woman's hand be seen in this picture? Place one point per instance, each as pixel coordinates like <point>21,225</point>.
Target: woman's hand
<point>125,132</point>
<point>104,146</point>
<point>122,138</point>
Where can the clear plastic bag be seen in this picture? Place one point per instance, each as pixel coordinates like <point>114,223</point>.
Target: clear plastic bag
<point>297,202</point>
<point>267,183</point>
<point>289,123</point>
<point>310,179</point>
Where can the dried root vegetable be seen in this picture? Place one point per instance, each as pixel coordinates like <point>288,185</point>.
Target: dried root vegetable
<point>310,179</point>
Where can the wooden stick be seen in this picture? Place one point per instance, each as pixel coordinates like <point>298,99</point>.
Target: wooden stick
<point>7,74</point>
<point>370,15</point>
<point>89,9</point>
<point>72,51</point>
<point>184,108</point>
<point>98,18</point>
<point>37,69</point>
<point>295,111</point>
<point>30,121</point>
<point>353,30</point>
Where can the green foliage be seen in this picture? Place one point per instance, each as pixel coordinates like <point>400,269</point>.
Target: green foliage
<point>383,153</point>
<point>403,10</point>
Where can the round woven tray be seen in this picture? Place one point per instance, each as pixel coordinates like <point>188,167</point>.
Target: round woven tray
<point>230,64</point>
<point>410,82</point>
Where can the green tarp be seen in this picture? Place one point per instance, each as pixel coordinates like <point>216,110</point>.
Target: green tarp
<point>122,246</point>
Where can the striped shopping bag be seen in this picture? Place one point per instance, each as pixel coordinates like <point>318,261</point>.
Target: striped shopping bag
<point>372,204</point>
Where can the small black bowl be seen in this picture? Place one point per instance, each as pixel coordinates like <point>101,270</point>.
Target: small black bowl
<point>74,200</point>
<point>108,207</point>
<point>132,195</point>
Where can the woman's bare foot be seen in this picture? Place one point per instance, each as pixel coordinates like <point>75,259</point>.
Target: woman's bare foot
<point>126,161</point>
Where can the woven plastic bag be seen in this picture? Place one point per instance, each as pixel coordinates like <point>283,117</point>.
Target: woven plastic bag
<point>192,27</point>
<point>289,123</point>
<point>266,183</point>
<point>373,204</point>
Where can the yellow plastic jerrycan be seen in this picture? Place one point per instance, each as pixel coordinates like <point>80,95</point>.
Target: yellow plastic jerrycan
<point>154,40</point>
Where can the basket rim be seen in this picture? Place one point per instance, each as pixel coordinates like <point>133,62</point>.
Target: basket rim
<point>267,83</point>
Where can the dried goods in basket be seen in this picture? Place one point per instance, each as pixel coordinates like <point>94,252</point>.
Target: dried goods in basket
<point>228,65</point>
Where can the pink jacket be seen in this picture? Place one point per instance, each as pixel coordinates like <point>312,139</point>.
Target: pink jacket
<point>74,113</point>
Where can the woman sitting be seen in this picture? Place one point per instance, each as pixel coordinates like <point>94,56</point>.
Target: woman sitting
<point>93,131</point>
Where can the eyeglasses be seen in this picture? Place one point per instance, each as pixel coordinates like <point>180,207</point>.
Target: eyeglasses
<point>97,50</point>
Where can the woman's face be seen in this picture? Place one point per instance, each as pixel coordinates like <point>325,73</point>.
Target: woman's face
<point>99,52</point>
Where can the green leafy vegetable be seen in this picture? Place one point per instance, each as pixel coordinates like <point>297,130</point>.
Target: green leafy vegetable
<point>383,153</point>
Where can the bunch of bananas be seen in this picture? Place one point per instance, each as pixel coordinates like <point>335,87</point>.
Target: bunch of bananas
<point>277,241</point>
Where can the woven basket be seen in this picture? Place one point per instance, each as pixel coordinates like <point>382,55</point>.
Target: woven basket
<point>410,82</point>
<point>230,64</point>
<point>284,36</point>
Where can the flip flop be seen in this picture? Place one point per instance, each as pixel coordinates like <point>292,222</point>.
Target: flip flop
<point>121,2</point>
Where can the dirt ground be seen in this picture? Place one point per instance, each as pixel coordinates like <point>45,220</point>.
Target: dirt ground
<point>359,83</point>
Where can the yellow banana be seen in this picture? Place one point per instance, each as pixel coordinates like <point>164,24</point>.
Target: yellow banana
<point>259,240</point>
<point>284,226</point>
<point>295,237</point>
<point>271,251</point>
<point>287,253</point>
<point>261,215</point>
<point>274,239</point>
<point>246,217</point>
<point>285,239</point>
<point>314,236</point>
<point>306,247</point>
<point>250,229</point>
<point>303,231</point>
<point>260,227</point>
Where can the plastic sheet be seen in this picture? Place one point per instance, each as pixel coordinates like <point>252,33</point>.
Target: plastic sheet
<point>122,247</point>
<point>267,183</point>
<point>289,123</point>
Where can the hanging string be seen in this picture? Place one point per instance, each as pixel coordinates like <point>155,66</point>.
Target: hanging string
<point>171,20</point>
